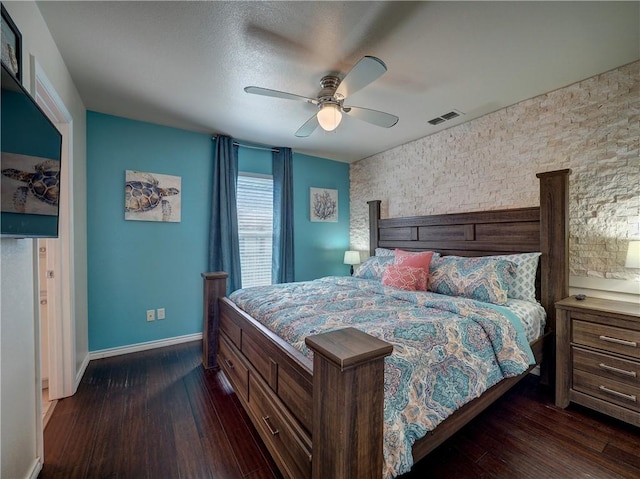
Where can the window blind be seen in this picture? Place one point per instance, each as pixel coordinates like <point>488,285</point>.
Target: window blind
<point>254,198</point>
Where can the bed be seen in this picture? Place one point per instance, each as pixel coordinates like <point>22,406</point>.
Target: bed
<point>320,406</point>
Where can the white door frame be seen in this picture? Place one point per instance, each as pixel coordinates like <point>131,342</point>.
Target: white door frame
<point>60,251</point>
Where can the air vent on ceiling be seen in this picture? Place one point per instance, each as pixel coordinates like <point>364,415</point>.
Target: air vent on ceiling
<point>447,116</point>
<point>450,115</point>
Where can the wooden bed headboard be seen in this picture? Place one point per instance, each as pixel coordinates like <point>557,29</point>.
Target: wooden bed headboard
<point>521,230</point>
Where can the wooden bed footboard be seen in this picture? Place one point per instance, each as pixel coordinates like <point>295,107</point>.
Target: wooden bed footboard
<point>325,419</point>
<point>340,404</point>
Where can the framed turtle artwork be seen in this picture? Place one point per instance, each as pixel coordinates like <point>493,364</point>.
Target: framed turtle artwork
<point>30,184</point>
<point>152,197</point>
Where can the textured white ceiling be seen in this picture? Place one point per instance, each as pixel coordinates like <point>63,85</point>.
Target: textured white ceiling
<point>185,64</point>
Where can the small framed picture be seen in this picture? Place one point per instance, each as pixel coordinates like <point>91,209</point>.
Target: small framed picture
<point>152,197</point>
<point>324,205</point>
<point>11,45</point>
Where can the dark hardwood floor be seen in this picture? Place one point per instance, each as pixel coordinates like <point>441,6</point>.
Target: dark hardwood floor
<point>158,414</point>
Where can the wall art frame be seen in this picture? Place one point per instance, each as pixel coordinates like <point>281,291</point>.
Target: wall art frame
<point>323,205</point>
<point>152,197</point>
<point>11,40</point>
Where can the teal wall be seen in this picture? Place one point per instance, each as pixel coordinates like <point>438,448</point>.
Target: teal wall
<point>319,247</point>
<point>134,266</point>
<point>137,265</point>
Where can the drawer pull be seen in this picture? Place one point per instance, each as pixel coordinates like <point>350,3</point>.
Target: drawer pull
<point>267,421</point>
<point>229,363</point>
<point>609,339</point>
<point>618,370</point>
<point>629,397</point>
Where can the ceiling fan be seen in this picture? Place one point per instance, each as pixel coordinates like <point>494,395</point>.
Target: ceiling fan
<point>334,91</point>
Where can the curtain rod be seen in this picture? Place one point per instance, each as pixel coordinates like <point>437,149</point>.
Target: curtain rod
<point>237,143</point>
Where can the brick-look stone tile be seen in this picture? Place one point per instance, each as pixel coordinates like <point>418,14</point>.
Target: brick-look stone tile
<point>592,127</point>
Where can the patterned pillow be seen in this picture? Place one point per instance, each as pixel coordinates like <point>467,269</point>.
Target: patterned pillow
<point>405,277</point>
<point>482,279</point>
<point>373,267</point>
<point>523,285</point>
<point>415,260</point>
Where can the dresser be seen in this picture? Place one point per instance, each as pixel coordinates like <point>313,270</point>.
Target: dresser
<point>598,356</point>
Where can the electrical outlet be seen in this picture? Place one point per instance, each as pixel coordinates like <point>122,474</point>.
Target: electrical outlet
<point>151,314</point>
<point>160,313</point>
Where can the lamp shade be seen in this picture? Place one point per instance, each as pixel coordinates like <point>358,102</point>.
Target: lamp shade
<point>351,257</point>
<point>329,117</point>
<point>633,255</point>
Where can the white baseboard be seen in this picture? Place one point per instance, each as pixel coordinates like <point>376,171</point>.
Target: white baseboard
<point>134,348</point>
<point>36,467</point>
<point>80,372</point>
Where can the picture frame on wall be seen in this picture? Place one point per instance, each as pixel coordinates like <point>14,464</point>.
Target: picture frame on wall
<point>11,40</point>
<point>152,197</point>
<point>324,205</point>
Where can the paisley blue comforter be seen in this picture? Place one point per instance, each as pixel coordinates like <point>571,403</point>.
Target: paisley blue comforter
<point>446,351</point>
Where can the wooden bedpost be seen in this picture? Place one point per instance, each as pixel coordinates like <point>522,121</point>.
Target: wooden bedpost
<point>554,234</point>
<point>215,287</point>
<point>374,216</point>
<point>348,403</point>
<point>554,245</point>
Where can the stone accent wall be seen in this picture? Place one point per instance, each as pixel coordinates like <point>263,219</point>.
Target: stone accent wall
<point>592,127</point>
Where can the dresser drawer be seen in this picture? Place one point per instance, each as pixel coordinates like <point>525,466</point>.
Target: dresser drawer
<point>234,368</point>
<point>607,389</point>
<point>622,370</point>
<point>289,445</point>
<point>607,338</point>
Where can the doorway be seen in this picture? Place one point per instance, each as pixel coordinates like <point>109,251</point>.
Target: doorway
<point>55,264</point>
<point>45,269</point>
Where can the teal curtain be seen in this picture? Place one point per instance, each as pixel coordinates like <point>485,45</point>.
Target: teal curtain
<point>224,246</point>
<point>283,268</point>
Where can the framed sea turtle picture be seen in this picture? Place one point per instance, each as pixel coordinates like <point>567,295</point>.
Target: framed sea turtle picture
<point>152,197</point>
<point>30,184</point>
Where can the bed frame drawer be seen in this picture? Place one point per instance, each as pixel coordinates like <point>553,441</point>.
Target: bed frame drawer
<point>234,367</point>
<point>289,445</point>
<point>293,388</point>
<point>232,330</point>
<point>607,338</point>
<point>296,391</point>
<point>262,359</point>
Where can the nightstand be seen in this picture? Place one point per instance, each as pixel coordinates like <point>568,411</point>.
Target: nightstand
<point>598,356</point>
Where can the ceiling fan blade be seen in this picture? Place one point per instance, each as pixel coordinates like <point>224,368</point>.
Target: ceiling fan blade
<point>367,70</point>
<point>309,127</point>
<point>380,118</point>
<point>256,90</point>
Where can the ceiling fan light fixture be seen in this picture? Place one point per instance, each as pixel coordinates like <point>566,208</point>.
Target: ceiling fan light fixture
<point>329,116</point>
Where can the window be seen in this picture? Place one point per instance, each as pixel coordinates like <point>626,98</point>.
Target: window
<point>255,228</point>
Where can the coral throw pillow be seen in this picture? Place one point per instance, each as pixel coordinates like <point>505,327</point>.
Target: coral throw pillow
<point>414,260</point>
<point>405,277</point>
